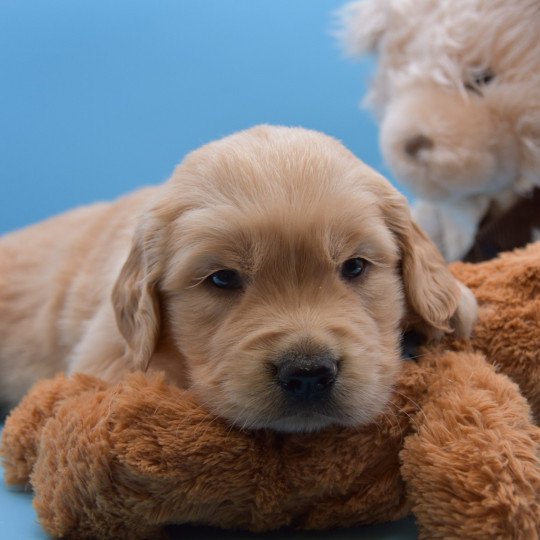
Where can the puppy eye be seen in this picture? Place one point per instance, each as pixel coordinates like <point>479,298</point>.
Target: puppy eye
<point>226,279</point>
<point>352,268</point>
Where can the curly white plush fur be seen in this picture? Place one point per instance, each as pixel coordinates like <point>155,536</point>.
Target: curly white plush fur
<point>457,91</point>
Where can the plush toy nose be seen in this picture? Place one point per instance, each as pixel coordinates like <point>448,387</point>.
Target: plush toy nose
<point>415,144</point>
<point>306,377</point>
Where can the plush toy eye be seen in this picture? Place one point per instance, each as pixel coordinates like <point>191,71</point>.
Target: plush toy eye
<point>352,268</point>
<point>478,80</point>
<point>483,78</point>
<point>226,279</point>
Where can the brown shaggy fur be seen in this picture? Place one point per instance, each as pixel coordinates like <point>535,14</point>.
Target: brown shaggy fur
<point>457,444</point>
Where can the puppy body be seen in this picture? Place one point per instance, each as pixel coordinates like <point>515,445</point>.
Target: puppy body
<point>292,216</point>
<point>55,286</point>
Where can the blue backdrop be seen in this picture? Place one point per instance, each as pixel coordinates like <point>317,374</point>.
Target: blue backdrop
<point>99,97</point>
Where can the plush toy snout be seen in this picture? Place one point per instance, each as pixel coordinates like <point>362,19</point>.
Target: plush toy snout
<point>444,145</point>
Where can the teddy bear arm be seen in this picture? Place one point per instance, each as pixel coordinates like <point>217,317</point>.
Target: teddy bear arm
<point>127,461</point>
<point>472,467</point>
<point>24,426</point>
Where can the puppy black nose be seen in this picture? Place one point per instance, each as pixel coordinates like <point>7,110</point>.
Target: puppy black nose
<point>415,144</point>
<point>306,377</point>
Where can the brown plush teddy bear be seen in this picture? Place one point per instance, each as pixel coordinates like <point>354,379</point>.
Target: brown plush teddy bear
<point>457,445</point>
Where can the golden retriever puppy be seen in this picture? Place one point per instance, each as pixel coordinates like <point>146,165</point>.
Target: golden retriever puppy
<point>273,275</point>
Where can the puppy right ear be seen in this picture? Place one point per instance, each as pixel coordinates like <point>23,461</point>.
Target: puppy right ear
<point>438,303</point>
<point>362,25</point>
<point>135,298</point>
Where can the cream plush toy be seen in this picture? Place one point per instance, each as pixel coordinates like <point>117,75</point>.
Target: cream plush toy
<point>457,92</point>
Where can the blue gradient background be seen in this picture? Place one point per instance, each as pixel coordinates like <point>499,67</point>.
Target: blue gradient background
<point>100,97</point>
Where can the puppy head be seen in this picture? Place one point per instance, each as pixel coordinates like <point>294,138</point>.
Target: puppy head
<point>286,271</point>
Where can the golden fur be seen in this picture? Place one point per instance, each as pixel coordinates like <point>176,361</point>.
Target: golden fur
<point>456,444</point>
<point>283,207</point>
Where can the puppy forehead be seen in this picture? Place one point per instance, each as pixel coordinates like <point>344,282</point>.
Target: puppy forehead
<point>207,239</point>
<point>279,218</point>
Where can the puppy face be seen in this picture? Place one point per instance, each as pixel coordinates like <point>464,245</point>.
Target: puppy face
<point>286,271</point>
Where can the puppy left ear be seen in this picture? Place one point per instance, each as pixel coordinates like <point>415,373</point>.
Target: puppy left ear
<point>135,298</point>
<point>437,302</point>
